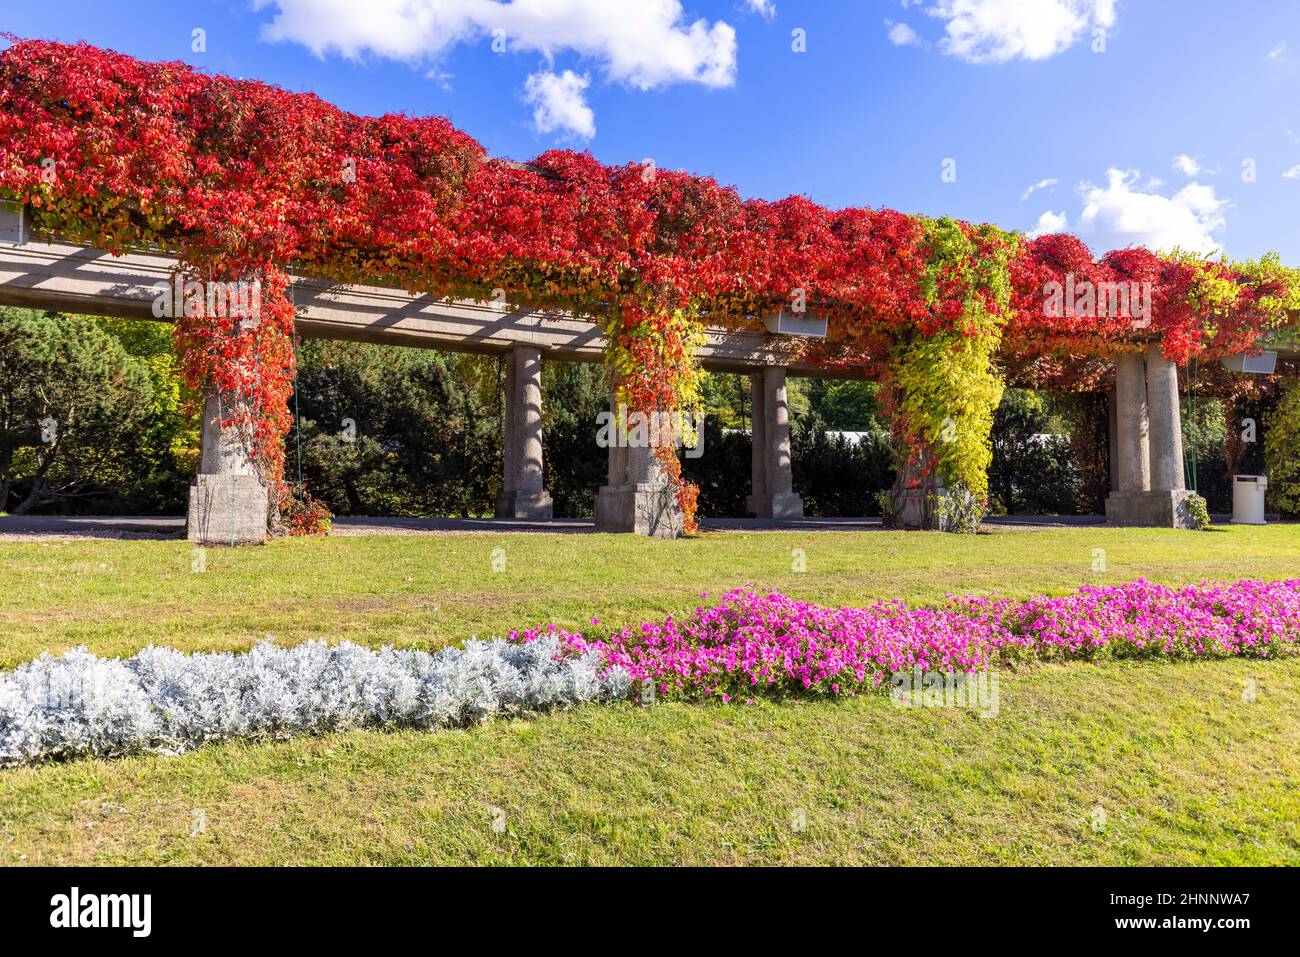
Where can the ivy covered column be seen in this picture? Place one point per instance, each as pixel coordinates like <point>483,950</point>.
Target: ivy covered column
<point>522,492</point>
<point>773,493</point>
<point>228,502</point>
<point>638,497</point>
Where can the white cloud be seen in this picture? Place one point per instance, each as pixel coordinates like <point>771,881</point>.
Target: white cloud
<point>1041,184</point>
<point>643,43</point>
<point>1049,222</point>
<point>1122,213</point>
<point>1292,173</point>
<point>440,77</point>
<point>901,35</point>
<point>765,8</point>
<point>1186,165</point>
<point>994,31</point>
<point>559,103</point>
<point>1278,52</point>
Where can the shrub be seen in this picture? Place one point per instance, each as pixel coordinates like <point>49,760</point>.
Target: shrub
<point>1282,452</point>
<point>304,514</point>
<point>836,476</point>
<point>722,471</point>
<point>1198,510</point>
<point>77,415</point>
<point>1031,472</point>
<point>164,700</point>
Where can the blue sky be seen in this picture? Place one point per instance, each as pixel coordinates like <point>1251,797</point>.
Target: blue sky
<point>1132,117</point>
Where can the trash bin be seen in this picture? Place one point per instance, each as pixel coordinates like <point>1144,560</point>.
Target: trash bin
<point>1248,499</point>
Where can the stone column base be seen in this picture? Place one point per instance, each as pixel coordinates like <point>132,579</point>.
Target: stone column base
<point>910,510</point>
<point>227,510</point>
<point>1165,509</point>
<point>779,507</point>
<point>933,509</point>
<point>644,509</point>
<point>529,505</point>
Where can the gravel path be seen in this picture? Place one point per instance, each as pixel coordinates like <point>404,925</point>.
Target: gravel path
<point>50,527</point>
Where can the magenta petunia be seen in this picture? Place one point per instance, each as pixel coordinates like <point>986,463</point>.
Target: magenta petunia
<point>781,645</point>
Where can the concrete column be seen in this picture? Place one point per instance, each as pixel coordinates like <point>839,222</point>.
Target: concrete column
<point>776,410</point>
<point>638,498</point>
<point>1166,430</point>
<point>222,451</point>
<point>1112,410</point>
<point>757,498</point>
<point>509,436</point>
<point>522,492</point>
<point>1149,443</point>
<point>617,472</point>
<point>228,502</point>
<point>1131,424</point>
<point>777,499</point>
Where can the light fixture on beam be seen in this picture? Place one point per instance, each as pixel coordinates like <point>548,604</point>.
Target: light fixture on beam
<point>15,224</point>
<point>1262,364</point>
<point>789,323</point>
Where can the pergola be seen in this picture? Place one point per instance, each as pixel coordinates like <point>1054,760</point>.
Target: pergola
<point>228,502</point>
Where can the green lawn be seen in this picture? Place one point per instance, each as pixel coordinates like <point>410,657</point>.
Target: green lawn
<point>118,596</point>
<point>1184,767</point>
<point>1184,770</point>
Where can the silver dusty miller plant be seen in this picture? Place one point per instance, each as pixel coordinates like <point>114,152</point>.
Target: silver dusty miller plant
<point>167,701</point>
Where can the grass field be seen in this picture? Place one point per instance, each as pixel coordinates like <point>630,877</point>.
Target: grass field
<point>1183,766</point>
<point>118,596</point>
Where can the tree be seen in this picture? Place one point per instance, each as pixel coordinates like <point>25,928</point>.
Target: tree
<point>74,406</point>
<point>845,405</point>
<point>169,444</point>
<point>839,476</point>
<point>397,431</point>
<point>725,399</point>
<point>1282,452</point>
<point>576,467</point>
<point>1030,472</point>
<point>1205,435</point>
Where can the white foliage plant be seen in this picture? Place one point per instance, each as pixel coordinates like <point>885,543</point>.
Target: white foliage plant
<point>161,700</point>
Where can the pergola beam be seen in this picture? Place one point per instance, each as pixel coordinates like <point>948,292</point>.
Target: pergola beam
<point>78,279</point>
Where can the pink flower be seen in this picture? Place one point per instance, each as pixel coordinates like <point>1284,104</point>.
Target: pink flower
<point>780,645</point>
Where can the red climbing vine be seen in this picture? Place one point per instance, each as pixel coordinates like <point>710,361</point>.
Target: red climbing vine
<point>241,179</point>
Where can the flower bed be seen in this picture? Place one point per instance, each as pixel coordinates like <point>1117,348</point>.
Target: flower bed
<point>746,645</point>
<point>752,644</point>
<point>163,700</point>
